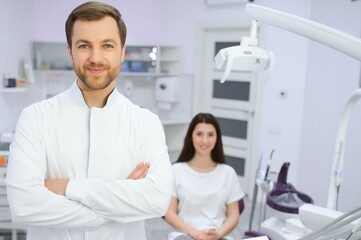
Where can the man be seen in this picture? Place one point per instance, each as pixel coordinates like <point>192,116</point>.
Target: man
<point>89,164</point>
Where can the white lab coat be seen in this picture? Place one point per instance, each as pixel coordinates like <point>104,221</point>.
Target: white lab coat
<point>96,148</point>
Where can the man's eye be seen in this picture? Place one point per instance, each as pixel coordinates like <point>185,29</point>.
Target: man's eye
<point>83,46</point>
<point>108,46</point>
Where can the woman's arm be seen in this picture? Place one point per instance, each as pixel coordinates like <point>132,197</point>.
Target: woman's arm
<point>175,221</point>
<point>230,223</point>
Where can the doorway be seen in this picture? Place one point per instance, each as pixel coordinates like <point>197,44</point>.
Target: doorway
<point>236,103</point>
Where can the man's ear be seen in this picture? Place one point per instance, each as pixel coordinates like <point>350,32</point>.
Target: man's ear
<point>123,53</point>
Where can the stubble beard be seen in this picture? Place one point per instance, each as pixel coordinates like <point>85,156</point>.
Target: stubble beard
<point>96,82</point>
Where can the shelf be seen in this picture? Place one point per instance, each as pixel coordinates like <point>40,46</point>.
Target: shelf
<point>12,90</point>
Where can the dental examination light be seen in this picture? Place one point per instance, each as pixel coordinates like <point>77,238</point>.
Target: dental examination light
<point>245,57</point>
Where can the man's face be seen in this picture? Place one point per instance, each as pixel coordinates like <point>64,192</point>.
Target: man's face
<point>96,52</point>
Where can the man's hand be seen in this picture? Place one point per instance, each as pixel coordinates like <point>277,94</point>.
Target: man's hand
<point>57,186</point>
<point>140,171</point>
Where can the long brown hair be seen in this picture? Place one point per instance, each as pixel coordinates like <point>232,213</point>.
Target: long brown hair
<point>188,150</point>
<point>92,11</point>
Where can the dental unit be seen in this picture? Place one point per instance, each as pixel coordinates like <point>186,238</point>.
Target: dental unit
<point>330,223</point>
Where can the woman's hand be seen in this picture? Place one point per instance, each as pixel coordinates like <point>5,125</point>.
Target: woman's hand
<point>206,234</point>
<point>213,234</point>
<point>200,234</point>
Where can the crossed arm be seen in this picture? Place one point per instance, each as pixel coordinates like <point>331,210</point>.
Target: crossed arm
<point>83,203</point>
<point>58,186</point>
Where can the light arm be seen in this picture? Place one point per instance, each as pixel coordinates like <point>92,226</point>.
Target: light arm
<point>339,155</point>
<point>328,36</point>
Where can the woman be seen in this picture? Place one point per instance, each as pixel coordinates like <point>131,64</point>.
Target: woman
<point>206,191</point>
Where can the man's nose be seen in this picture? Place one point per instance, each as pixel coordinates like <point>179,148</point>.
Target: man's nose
<point>95,55</point>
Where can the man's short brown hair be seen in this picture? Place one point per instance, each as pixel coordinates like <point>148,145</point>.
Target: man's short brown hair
<point>92,11</point>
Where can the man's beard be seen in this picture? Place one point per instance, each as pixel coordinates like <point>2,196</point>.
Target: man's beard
<point>97,82</point>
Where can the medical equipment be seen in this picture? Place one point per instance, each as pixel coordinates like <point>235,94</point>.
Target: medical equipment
<point>328,36</point>
<point>333,38</point>
<point>284,201</point>
<point>339,154</point>
<point>262,181</point>
<point>245,57</point>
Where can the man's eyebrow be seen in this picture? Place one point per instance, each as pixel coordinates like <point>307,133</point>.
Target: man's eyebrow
<point>81,41</point>
<point>104,41</point>
<point>110,41</point>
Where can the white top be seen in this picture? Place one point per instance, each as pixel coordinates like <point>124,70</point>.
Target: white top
<point>203,196</point>
<point>96,148</point>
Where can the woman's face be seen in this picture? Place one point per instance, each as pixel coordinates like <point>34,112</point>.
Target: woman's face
<point>204,138</point>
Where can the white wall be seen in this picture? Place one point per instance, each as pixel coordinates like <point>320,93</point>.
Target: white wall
<point>141,18</point>
<point>17,24</point>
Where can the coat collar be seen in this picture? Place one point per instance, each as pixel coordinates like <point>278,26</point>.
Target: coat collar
<point>77,96</point>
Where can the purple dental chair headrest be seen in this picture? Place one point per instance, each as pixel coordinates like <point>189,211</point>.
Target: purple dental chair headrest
<point>284,197</point>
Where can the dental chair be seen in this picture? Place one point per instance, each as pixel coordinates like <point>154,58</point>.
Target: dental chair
<point>284,200</point>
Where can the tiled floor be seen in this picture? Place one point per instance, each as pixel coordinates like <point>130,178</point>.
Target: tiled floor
<point>158,228</point>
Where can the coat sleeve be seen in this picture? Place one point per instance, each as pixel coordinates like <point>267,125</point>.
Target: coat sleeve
<point>131,200</point>
<point>30,201</point>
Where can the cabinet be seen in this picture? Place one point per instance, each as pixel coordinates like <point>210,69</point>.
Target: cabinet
<point>157,60</point>
<point>142,66</point>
